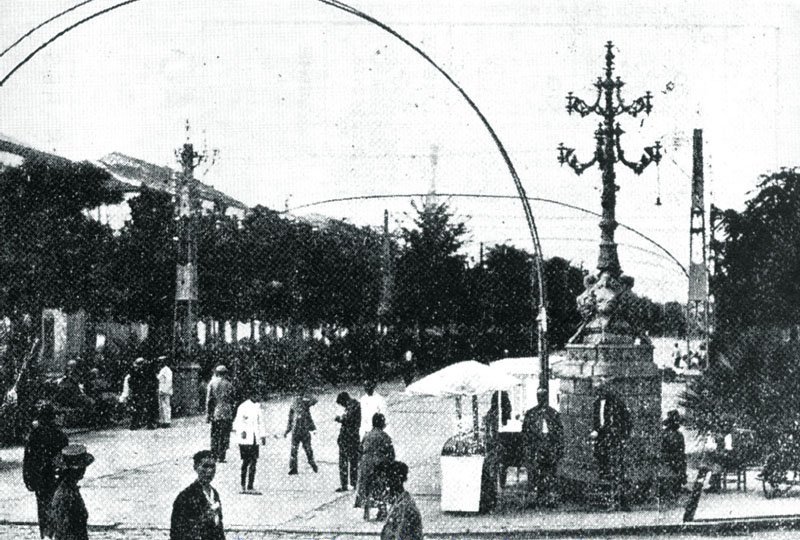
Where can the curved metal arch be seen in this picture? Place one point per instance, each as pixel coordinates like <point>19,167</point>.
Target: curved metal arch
<point>539,258</point>
<point>491,196</point>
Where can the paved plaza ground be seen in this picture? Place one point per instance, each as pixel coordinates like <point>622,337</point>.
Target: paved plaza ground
<point>137,475</point>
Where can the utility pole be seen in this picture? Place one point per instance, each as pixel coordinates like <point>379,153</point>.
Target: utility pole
<point>387,277</point>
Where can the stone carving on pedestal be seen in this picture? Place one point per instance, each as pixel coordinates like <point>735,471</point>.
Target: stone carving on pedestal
<point>610,365</point>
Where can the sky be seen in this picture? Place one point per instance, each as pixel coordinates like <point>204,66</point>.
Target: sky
<point>306,103</point>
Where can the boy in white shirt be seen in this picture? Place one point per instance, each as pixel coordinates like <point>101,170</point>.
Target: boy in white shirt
<point>372,403</point>
<point>250,430</point>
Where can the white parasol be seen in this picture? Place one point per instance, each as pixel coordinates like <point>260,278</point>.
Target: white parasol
<point>469,378</point>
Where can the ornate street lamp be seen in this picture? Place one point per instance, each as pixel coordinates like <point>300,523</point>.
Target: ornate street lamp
<point>610,387</point>
<point>608,151</point>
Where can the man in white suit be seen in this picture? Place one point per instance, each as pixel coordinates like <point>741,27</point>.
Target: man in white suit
<point>250,430</point>
<point>164,393</point>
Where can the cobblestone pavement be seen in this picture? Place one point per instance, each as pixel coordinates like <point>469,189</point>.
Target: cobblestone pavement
<point>26,532</point>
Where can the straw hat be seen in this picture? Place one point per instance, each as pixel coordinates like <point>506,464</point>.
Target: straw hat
<point>73,456</point>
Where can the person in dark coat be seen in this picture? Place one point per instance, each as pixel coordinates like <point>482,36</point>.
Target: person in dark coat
<point>68,515</point>
<point>543,443</point>
<point>348,441</point>
<point>220,409</point>
<point>138,399</point>
<point>612,427</point>
<point>38,468</point>
<point>497,416</point>
<point>673,453</point>
<point>376,450</point>
<point>404,521</point>
<point>197,510</point>
<point>300,425</point>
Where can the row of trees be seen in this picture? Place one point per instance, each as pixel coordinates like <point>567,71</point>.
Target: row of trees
<point>267,267</point>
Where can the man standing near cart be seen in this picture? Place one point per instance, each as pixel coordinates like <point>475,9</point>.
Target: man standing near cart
<point>543,440</point>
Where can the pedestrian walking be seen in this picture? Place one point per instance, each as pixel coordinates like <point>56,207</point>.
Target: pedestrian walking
<point>372,403</point>
<point>68,514</point>
<point>300,425</point>
<point>219,411</point>
<point>348,440</point>
<point>164,393</point>
<point>250,431</point>
<point>543,443</point>
<point>38,468</point>
<point>376,450</point>
<point>404,521</point>
<point>197,510</point>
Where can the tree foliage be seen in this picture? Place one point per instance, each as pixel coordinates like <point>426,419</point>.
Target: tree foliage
<point>52,254</point>
<point>758,257</point>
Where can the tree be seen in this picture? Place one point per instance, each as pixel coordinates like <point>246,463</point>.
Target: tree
<point>145,263</point>
<point>757,258</point>
<point>430,271</point>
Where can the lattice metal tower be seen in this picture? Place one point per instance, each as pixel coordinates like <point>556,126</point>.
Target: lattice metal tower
<point>697,308</point>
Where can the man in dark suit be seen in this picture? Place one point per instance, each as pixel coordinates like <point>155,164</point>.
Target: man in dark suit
<point>348,440</point>
<point>300,425</point>
<point>197,511</point>
<point>543,439</point>
<point>38,468</point>
<point>612,427</point>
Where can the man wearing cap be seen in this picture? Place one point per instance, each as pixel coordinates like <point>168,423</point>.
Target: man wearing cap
<point>219,411</point>
<point>164,393</point>
<point>38,469</point>
<point>197,510</point>
<point>68,515</point>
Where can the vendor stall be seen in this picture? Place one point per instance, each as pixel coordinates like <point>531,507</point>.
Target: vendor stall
<point>523,394</point>
<point>463,455</point>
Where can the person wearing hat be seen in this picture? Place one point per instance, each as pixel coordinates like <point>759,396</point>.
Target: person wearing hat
<point>68,515</point>
<point>220,407</point>
<point>404,521</point>
<point>164,393</point>
<point>673,452</point>
<point>197,510</point>
<point>38,470</point>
